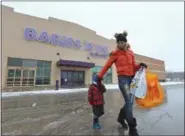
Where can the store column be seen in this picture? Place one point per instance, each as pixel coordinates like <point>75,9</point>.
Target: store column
<point>88,76</point>
<point>55,74</point>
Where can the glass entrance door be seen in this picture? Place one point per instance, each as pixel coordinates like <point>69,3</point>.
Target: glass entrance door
<point>18,76</point>
<point>14,77</point>
<point>72,78</point>
<point>28,77</point>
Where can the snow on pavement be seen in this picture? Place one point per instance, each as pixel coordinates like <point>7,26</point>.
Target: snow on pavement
<point>63,91</point>
<point>171,83</point>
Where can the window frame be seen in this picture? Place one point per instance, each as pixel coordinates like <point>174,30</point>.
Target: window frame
<point>21,77</point>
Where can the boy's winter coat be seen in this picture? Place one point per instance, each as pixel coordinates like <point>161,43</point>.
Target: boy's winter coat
<point>95,94</point>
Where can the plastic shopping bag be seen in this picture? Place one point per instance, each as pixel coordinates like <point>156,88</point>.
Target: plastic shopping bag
<point>139,84</point>
<point>155,93</point>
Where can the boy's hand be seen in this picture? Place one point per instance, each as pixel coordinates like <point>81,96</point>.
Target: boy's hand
<point>103,89</point>
<point>97,80</point>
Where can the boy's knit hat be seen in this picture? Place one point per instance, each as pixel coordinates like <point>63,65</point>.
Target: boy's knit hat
<point>96,80</point>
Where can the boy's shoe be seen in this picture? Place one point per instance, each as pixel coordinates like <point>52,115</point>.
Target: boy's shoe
<point>96,126</point>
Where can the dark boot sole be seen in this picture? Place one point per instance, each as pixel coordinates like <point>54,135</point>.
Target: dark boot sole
<point>124,125</point>
<point>135,134</point>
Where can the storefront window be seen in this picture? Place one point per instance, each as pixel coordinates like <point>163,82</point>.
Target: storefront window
<point>39,81</point>
<point>18,73</point>
<point>25,72</point>
<point>109,70</point>
<point>94,69</point>
<point>11,72</point>
<point>17,79</point>
<point>31,74</point>
<point>20,77</point>
<point>47,72</point>
<point>75,76</point>
<point>47,65</point>
<point>69,76</point>
<point>40,72</point>
<point>72,78</point>
<point>46,80</point>
<point>29,63</point>
<point>43,73</point>
<point>99,68</point>
<point>81,76</point>
<point>14,77</point>
<point>15,62</point>
<point>10,78</point>
<point>108,76</point>
<point>28,77</point>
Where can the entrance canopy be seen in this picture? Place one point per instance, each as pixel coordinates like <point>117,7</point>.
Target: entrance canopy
<point>70,63</point>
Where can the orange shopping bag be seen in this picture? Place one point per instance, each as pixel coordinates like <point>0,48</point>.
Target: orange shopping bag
<point>155,92</point>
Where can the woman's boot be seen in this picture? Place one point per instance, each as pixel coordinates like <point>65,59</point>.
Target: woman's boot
<point>132,128</point>
<point>121,119</point>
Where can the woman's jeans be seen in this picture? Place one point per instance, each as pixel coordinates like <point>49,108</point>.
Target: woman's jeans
<point>124,85</point>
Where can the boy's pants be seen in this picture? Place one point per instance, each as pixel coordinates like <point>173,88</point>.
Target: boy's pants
<point>98,111</point>
<point>124,85</point>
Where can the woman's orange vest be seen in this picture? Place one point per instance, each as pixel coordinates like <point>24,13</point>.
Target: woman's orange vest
<point>124,62</point>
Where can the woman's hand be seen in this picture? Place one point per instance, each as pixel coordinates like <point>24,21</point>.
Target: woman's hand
<point>143,65</point>
<point>97,80</point>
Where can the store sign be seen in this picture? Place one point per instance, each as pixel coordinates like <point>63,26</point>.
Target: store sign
<point>68,42</point>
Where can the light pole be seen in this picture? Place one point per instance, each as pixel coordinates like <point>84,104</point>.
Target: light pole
<point>57,81</point>
<point>58,54</point>
<point>92,74</point>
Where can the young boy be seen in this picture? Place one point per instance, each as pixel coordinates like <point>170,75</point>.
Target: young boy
<point>96,100</point>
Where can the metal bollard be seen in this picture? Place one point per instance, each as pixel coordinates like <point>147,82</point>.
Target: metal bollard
<point>57,85</point>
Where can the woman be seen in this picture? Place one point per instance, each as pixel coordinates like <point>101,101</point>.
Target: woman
<point>124,60</point>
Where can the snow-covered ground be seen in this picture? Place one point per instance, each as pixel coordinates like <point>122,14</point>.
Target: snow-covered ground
<point>60,91</point>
